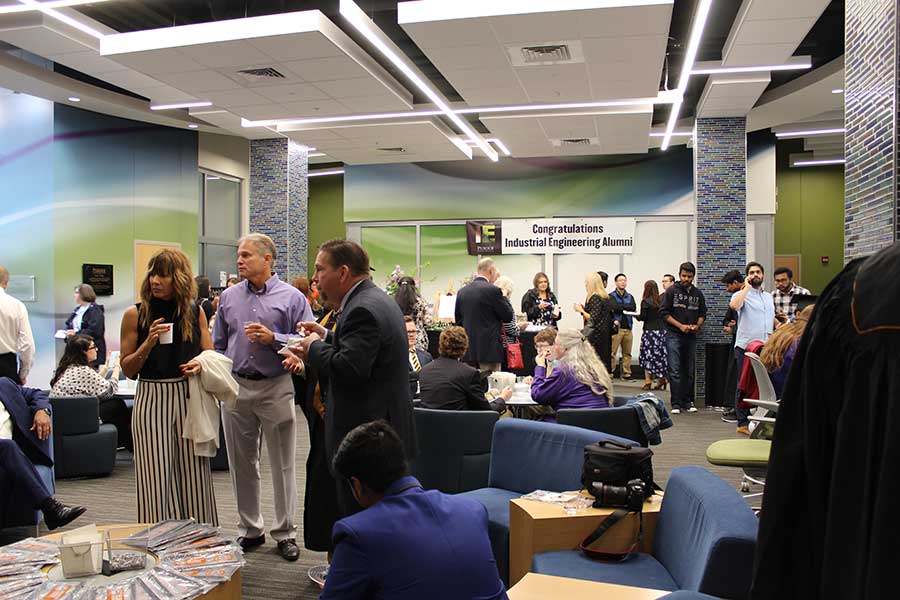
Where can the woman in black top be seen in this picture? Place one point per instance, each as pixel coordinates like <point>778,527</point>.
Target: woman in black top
<point>597,313</point>
<point>172,482</point>
<point>539,304</point>
<point>653,356</point>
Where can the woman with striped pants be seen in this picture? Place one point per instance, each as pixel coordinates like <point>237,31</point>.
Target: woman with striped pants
<point>161,337</point>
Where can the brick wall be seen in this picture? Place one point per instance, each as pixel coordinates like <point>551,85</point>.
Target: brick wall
<point>720,159</point>
<point>279,201</point>
<point>870,86</point>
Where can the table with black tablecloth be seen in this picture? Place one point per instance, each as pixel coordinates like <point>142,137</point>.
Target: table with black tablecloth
<point>528,350</point>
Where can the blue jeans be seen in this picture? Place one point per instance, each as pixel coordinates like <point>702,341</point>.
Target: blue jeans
<point>742,414</point>
<point>682,354</point>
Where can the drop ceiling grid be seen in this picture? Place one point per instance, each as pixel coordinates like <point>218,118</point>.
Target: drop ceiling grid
<point>203,73</point>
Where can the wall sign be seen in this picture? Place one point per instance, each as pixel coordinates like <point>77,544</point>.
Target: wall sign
<point>99,277</point>
<point>613,235</point>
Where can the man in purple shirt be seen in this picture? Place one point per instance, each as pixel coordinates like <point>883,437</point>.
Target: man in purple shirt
<point>253,322</point>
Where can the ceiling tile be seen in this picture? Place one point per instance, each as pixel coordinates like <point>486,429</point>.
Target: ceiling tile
<point>224,54</point>
<point>296,47</point>
<point>486,56</point>
<point>261,112</point>
<point>88,62</point>
<point>236,98</point>
<point>157,62</point>
<point>326,69</point>
<point>463,79</point>
<point>569,127</point>
<point>758,54</point>
<point>536,28</point>
<point>360,86</point>
<point>291,93</point>
<point>316,108</point>
<point>478,96</point>
<point>198,81</point>
<point>452,34</point>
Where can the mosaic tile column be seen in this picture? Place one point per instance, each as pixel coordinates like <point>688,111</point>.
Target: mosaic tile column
<point>279,201</point>
<point>871,211</point>
<point>720,171</point>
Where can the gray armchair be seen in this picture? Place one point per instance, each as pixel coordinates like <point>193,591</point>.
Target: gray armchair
<point>82,446</point>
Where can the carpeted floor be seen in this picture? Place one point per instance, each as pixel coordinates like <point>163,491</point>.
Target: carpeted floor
<point>267,576</point>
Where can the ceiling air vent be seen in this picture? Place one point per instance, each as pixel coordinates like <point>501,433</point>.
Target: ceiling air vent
<point>559,52</point>
<point>579,142</point>
<point>391,150</point>
<point>260,73</point>
<point>539,54</point>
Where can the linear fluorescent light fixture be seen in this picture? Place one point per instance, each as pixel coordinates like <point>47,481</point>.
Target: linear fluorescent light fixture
<point>524,108</point>
<point>324,172</point>
<point>52,12</point>
<point>816,163</point>
<point>51,4</point>
<point>783,134</point>
<point>497,143</point>
<point>316,155</point>
<point>837,91</point>
<point>693,46</point>
<point>180,105</point>
<point>673,134</point>
<point>364,25</point>
<point>752,69</point>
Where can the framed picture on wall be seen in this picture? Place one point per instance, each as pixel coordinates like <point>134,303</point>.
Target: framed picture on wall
<point>99,277</point>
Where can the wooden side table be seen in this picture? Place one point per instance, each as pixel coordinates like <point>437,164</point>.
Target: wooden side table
<point>540,527</point>
<point>541,587</point>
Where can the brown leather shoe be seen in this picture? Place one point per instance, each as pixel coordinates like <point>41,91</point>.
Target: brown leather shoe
<point>743,430</point>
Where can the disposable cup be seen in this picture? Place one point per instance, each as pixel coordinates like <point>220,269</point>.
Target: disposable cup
<point>166,336</point>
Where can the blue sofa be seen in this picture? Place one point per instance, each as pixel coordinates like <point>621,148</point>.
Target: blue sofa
<point>704,542</point>
<point>528,456</point>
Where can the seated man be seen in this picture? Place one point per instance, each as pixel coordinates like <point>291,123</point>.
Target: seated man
<point>20,482</point>
<point>417,358</point>
<point>448,384</point>
<point>408,542</point>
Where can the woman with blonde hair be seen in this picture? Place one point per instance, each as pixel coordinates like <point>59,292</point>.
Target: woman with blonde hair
<point>580,380</point>
<point>597,312</point>
<point>161,338</point>
<point>511,329</point>
<point>778,353</point>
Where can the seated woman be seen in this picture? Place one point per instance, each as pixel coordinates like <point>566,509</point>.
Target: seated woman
<point>778,353</point>
<point>580,380</point>
<point>448,384</point>
<point>75,377</point>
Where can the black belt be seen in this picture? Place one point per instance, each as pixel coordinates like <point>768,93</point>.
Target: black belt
<point>251,376</point>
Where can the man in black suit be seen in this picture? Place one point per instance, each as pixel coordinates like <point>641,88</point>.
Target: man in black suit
<point>481,310</point>
<point>417,358</point>
<point>25,430</point>
<point>365,359</point>
<point>448,384</point>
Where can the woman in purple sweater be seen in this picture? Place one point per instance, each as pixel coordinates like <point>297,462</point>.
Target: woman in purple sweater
<point>580,380</point>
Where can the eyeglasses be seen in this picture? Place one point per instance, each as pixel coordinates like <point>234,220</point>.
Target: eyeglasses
<point>92,347</point>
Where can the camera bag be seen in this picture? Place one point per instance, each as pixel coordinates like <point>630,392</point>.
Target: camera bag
<point>615,463</point>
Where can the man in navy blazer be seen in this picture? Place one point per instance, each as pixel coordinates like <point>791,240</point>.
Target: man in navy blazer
<point>422,357</point>
<point>29,413</point>
<point>408,543</point>
<point>25,441</point>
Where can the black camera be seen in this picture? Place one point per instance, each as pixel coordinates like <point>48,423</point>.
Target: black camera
<point>629,496</point>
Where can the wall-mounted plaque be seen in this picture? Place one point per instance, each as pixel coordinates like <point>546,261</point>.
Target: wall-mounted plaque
<point>21,287</point>
<point>99,277</point>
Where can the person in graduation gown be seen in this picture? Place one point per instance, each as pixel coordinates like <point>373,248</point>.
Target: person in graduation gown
<point>829,515</point>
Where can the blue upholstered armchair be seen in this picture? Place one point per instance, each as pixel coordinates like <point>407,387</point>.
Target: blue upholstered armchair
<point>528,456</point>
<point>454,448</point>
<point>704,542</point>
<point>83,447</point>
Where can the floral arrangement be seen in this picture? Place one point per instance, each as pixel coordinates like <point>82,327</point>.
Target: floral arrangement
<point>392,283</point>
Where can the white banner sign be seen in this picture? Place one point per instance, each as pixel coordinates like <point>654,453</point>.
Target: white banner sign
<point>614,235</point>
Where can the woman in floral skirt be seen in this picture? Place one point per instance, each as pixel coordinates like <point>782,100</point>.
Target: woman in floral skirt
<point>653,340</point>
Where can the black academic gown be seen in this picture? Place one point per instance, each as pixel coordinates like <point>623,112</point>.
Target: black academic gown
<point>829,519</point>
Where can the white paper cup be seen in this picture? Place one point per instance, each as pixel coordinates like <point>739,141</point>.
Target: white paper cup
<point>166,336</point>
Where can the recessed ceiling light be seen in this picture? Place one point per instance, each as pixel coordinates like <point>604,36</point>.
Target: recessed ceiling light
<point>192,104</point>
<point>801,133</point>
<point>74,99</point>
<point>193,125</point>
<point>837,91</point>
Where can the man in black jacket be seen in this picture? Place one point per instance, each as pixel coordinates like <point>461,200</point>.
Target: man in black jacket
<point>684,310</point>
<point>417,358</point>
<point>365,359</point>
<point>481,310</point>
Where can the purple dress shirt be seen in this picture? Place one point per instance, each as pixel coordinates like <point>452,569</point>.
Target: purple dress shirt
<point>562,390</point>
<point>278,306</point>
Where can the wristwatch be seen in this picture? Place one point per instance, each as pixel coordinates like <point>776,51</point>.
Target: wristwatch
<point>46,410</point>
